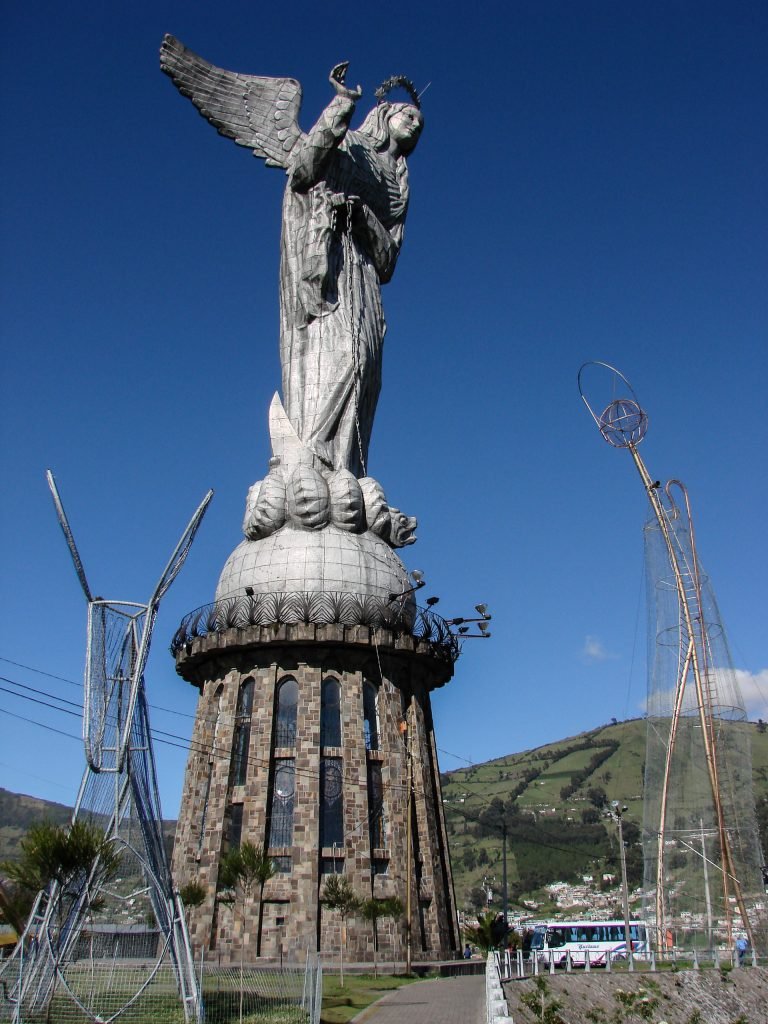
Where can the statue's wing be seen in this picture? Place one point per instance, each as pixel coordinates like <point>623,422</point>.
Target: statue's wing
<point>260,113</point>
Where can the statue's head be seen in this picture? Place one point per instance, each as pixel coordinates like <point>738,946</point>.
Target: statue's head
<point>398,122</point>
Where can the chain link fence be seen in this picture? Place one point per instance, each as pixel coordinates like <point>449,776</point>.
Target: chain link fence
<point>124,991</point>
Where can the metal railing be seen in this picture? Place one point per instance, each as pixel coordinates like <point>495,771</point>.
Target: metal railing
<point>516,964</point>
<point>318,608</point>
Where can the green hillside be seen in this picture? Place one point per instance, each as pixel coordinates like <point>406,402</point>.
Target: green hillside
<point>549,800</point>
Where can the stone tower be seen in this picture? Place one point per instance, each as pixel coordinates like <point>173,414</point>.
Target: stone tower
<point>313,737</point>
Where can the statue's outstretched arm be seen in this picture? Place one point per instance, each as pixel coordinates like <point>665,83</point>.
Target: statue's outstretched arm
<point>310,156</point>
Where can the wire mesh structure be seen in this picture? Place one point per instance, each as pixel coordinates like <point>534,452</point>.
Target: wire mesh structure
<point>291,994</point>
<point>700,840</point>
<point>698,737</point>
<point>122,906</point>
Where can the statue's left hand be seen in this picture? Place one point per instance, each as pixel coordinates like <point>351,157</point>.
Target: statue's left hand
<point>337,79</point>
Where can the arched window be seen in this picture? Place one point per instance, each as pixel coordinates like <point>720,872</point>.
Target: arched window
<point>330,714</point>
<point>370,716</point>
<point>287,704</point>
<point>242,737</point>
<point>218,700</point>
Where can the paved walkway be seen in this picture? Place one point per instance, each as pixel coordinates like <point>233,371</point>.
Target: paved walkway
<point>441,1001</point>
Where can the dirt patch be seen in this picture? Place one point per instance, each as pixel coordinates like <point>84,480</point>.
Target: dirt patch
<point>683,997</point>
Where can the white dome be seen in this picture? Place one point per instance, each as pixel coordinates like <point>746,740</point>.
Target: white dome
<point>326,561</point>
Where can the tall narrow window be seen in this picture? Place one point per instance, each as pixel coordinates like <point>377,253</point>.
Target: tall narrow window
<point>235,826</point>
<point>330,714</point>
<point>287,704</point>
<point>370,716</point>
<point>281,811</point>
<point>331,802</point>
<point>376,805</point>
<point>218,698</point>
<point>242,738</point>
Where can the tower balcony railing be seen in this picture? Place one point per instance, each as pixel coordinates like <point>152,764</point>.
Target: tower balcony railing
<point>315,608</point>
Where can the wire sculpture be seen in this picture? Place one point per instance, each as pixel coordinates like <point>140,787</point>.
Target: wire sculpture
<point>104,916</point>
<point>698,762</point>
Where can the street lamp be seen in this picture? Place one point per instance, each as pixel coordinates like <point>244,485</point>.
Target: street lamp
<point>418,582</point>
<point>463,630</point>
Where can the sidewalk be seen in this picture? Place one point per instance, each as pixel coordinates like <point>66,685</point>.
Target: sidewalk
<point>444,1000</point>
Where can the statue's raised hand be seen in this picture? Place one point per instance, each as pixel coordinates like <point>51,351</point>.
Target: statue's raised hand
<point>337,79</point>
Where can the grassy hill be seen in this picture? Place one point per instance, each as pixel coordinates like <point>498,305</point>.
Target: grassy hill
<point>555,831</point>
<point>18,812</point>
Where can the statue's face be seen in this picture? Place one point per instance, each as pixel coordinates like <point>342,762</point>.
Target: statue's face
<point>405,126</point>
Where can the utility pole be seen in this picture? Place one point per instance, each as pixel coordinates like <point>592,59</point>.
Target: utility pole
<point>409,840</point>
<point>505,899</point>
<point>707,896</point>
<point>617,817</point>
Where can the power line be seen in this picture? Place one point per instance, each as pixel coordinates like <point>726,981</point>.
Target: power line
<point>171,739</point>
<point>72,682</point>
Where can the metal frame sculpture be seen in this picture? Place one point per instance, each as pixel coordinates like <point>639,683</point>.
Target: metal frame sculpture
<point>118,794</point>
<point>623,424</point>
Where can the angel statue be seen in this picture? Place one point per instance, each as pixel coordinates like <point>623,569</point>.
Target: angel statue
<point>343,216</point>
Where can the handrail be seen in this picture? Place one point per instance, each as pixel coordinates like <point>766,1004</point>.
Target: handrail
<point>318,608</point>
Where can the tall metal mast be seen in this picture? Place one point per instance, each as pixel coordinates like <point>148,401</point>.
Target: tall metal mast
<point>118,794</point>
<point>623,424</point>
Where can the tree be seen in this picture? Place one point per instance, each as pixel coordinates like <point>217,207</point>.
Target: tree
<point>597,796</point>
<point>243,869</point>
<point>192,894</point>
<point>483,934</point>
<point>240,871</point>
<point>77,859</point>
<point>339,895</point>
<point>470,858</point>
<point>373,910</point>
<point>477,898</point>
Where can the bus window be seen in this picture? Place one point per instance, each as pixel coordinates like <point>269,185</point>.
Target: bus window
<point>556,938</point>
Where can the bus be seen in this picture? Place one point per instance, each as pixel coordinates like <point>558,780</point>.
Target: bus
<point>554,941</point>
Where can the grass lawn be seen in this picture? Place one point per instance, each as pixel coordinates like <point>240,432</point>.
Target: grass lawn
<point>360,990</point>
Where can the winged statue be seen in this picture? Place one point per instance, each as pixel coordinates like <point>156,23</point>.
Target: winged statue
<point>344,210</point>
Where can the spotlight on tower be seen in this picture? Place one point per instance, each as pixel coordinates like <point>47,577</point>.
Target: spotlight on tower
<point>432,601</point>
<point>418,582</point>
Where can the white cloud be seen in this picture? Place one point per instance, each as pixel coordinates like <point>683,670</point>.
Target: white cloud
<point>594,650</point>
<point>754,692</point>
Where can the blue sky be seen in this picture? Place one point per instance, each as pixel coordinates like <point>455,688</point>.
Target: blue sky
<point>590,184</point>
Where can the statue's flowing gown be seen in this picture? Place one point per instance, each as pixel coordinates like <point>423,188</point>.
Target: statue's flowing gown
<point>334,261</point>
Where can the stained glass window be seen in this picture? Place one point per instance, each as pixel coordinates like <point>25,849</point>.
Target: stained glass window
<point>376,805</point>
<point>281,812</point>
<point>370,716</point>
<point>235,826</point>
<point>331,802</point>
<point>330,714</point>
<point>242,736</point>
<point>287,704</point>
